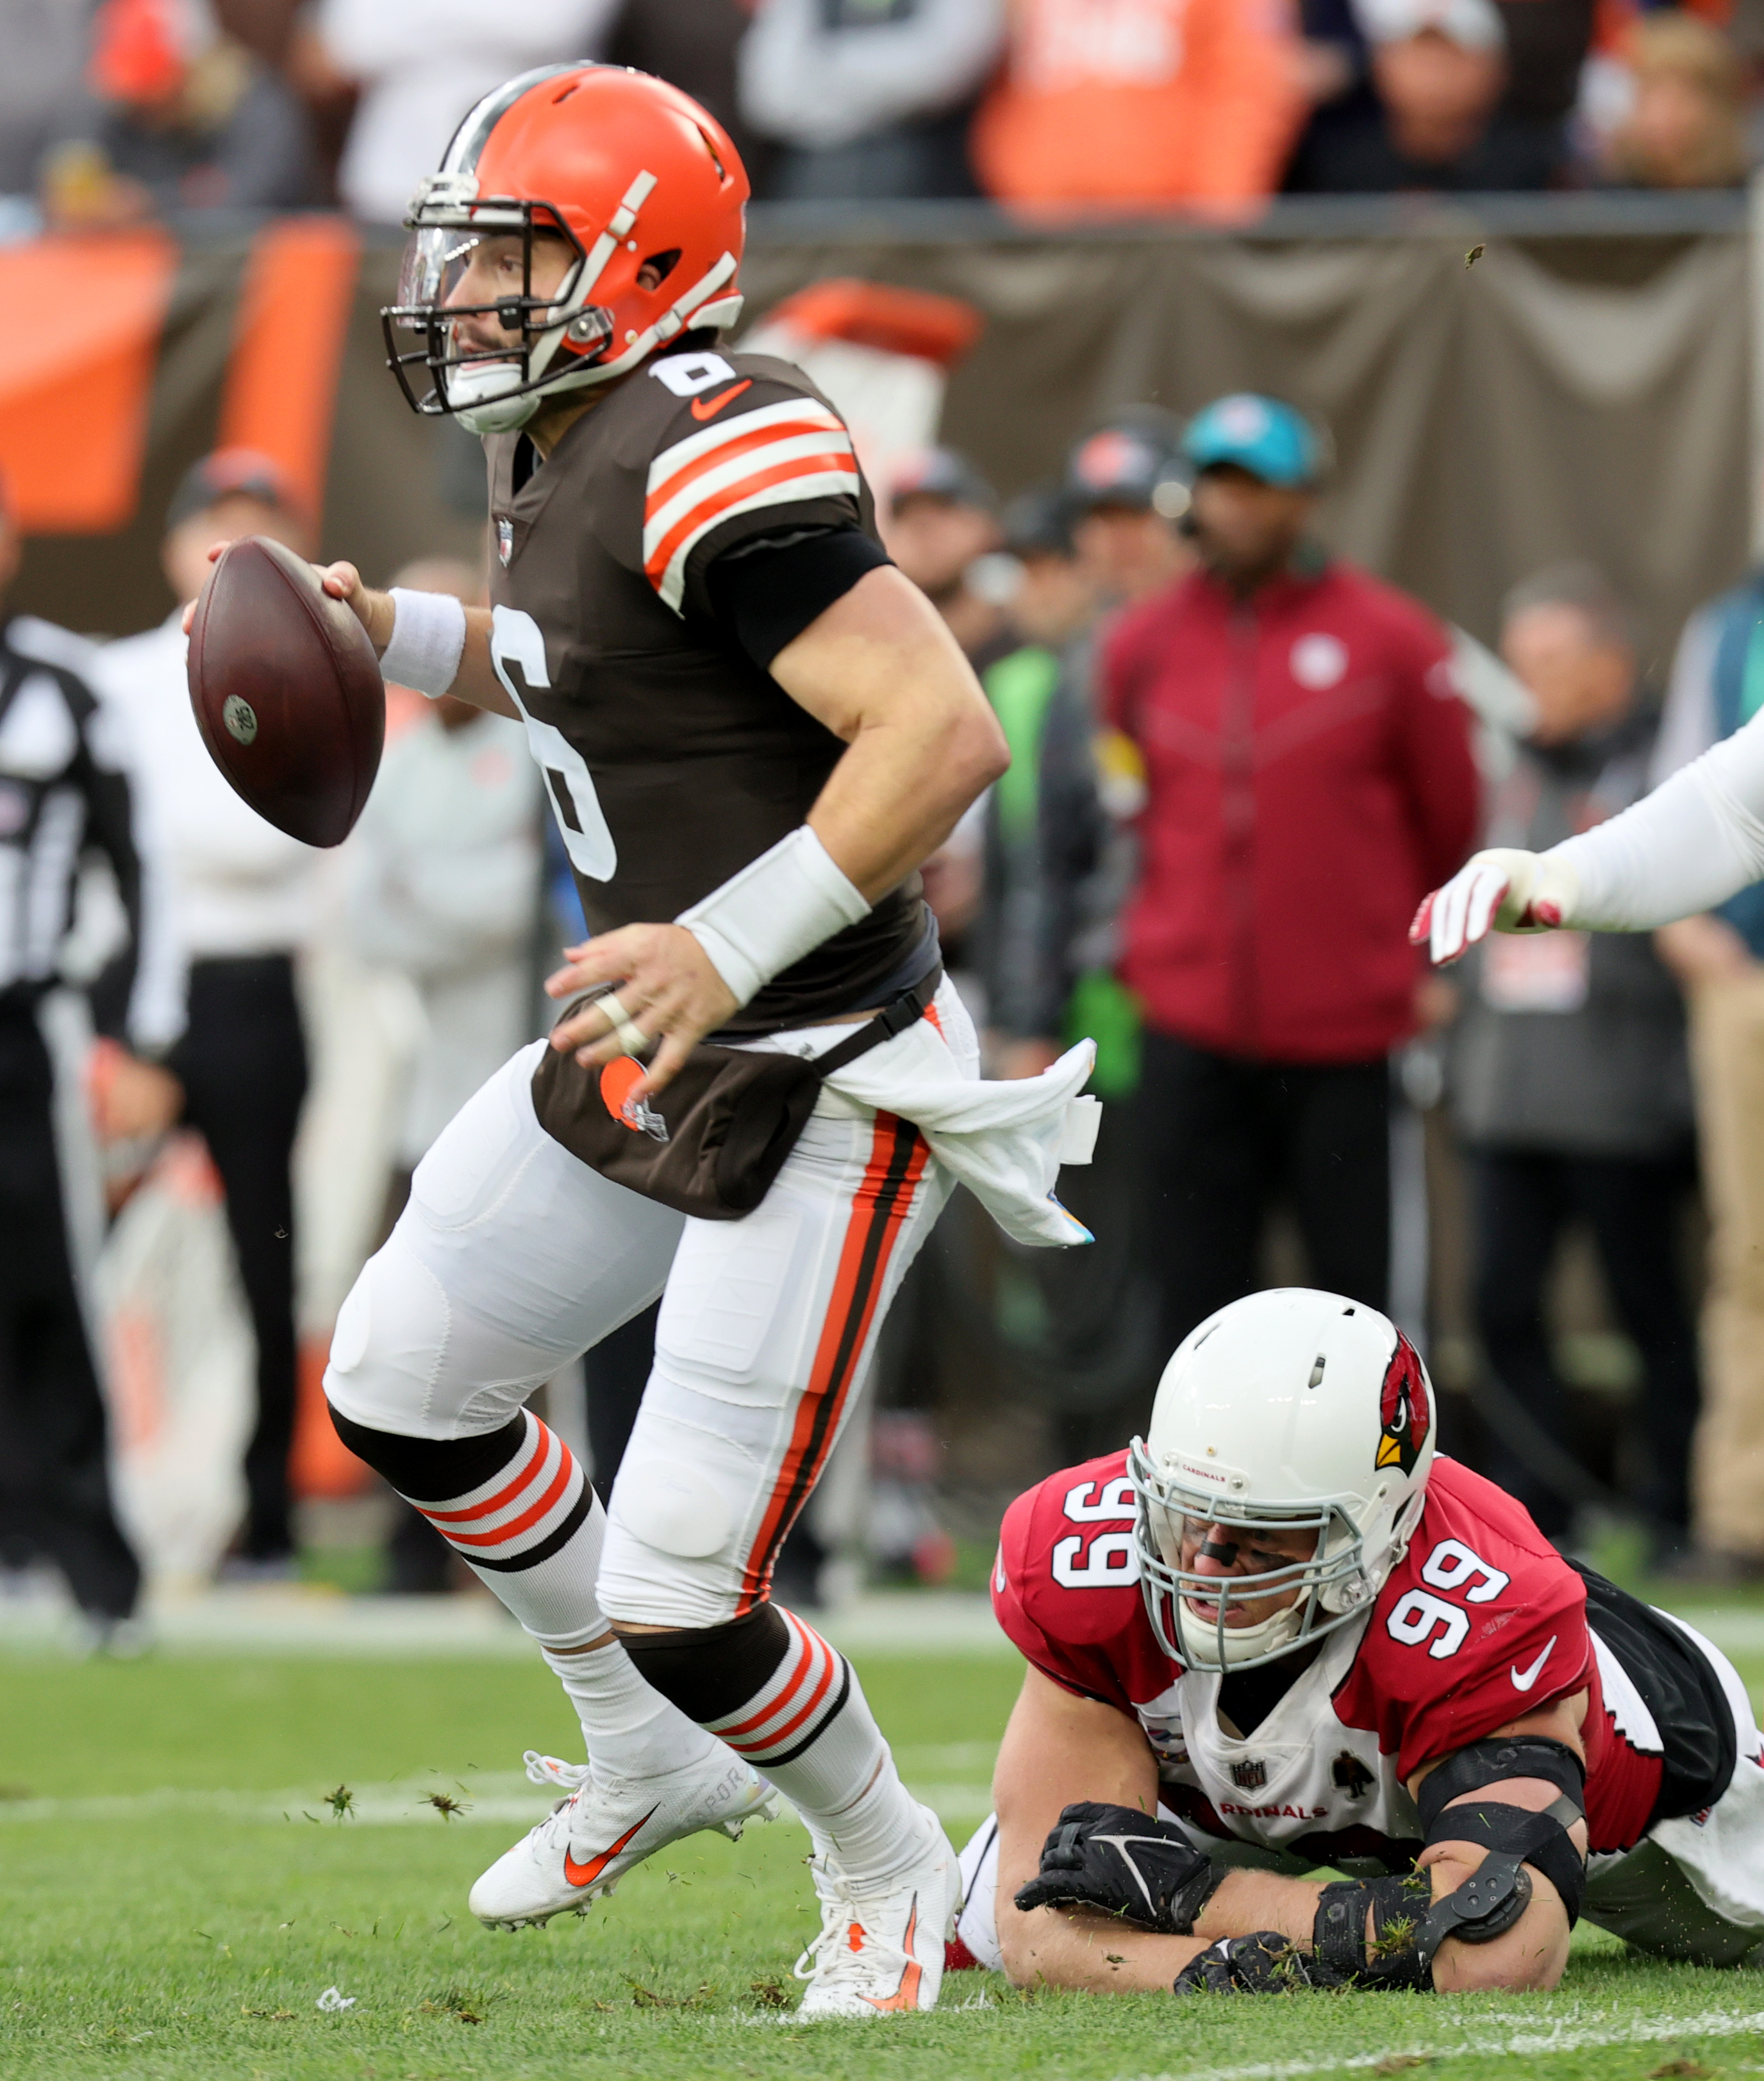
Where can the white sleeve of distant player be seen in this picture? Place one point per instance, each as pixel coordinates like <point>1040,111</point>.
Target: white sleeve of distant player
<point>1697,840</point>
<point>1687,722</point>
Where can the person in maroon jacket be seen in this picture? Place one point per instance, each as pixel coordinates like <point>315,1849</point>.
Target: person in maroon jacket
<point>1309,776</point>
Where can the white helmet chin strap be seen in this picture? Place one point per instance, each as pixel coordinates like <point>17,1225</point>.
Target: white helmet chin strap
<point>493,410</point>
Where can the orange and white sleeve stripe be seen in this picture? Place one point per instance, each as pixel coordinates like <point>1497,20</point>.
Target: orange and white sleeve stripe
<point>774,456</point>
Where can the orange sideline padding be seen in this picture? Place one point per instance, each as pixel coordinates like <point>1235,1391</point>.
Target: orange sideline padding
<point>915,322</point>
<point>320,1464</point>
<point>281,389</point>
<point>74,398</point>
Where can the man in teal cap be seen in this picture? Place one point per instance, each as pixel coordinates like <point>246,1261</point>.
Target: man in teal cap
<point>1258,463</point>
<point>1260,436</point>
<point>1305,757</point>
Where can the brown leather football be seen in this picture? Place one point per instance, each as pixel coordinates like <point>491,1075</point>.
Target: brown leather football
<point>287,691</point>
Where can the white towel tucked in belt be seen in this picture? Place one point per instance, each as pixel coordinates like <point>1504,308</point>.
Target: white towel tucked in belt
<point>1004,1141</point>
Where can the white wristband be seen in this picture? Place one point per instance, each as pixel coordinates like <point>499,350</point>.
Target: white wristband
<point>773,912</point>
<point>429,639</point>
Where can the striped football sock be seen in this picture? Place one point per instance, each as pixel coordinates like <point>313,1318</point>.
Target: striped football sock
<point>809,1730</point>
<point>517,1508</point>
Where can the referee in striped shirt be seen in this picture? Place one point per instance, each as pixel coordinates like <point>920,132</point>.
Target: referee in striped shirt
<point>65,796</point>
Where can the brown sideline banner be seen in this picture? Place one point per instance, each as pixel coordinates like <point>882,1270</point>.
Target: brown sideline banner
<point>1585,396</point>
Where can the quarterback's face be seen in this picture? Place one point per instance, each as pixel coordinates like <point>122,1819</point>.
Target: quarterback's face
<point>1230,1551</point>
<point>491,271</point>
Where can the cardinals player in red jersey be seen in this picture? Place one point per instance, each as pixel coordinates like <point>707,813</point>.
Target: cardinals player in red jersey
<point>1280,1633</point>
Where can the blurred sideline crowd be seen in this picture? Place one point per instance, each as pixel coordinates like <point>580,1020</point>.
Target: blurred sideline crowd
<point>1239,761</point>
<point>112,111</point>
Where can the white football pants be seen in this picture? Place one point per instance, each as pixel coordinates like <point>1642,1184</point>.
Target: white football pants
<point>513,1257</point>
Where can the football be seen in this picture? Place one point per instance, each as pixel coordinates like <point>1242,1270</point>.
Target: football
<point>287,691</point>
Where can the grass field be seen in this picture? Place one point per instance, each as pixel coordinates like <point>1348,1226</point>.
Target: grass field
<point>175,1898</point>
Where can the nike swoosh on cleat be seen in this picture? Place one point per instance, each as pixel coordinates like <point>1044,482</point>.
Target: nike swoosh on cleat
<point>701,409</point>
<point>1522,1680</point>
<point>906,1996</point>
<point>582,1875</point>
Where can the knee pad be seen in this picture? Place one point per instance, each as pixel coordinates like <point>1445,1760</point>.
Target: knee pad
<point>675,1508</point>
<point>386,1350</point>
<point>671,1556</point>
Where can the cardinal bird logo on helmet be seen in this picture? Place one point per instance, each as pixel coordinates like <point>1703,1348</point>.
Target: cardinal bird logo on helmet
<point>1403,1409</point>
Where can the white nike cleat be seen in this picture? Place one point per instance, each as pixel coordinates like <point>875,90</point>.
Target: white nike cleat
<point>881,1949</point>
<point>589,1840</point>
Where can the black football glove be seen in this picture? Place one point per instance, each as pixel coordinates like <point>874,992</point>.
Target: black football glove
<point>1125,1863</point>
<point>1265,1963</point>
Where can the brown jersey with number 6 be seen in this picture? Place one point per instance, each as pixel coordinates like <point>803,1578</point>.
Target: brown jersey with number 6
<point>671,759</point>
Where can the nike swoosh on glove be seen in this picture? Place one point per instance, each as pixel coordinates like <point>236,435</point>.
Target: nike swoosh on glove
<point>1265,1963</point>
<point>1125,1863</point>
<point>1503,890</point>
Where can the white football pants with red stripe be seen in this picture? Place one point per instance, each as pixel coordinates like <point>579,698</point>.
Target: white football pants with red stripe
<point>513,1257</point>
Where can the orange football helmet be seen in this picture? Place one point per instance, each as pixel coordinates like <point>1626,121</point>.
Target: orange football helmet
<point>624,169</point>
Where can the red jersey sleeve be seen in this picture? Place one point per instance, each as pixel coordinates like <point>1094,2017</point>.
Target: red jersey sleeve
<point>1481,1622</point>
<point>1065,1587</point>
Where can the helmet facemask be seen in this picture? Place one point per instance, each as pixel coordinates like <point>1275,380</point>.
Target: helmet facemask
<point>604,318</point>
<point>490,388</point>
<point>1332,1584</point>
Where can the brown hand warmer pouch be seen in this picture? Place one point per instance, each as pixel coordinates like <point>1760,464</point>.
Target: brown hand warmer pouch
<point>711,1143</point>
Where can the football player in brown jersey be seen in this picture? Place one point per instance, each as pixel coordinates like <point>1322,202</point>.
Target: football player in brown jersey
<point>753,729</point>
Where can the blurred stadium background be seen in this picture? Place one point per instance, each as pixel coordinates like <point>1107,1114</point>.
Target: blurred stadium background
<point>1585,390</point>
<point>1507,252</point>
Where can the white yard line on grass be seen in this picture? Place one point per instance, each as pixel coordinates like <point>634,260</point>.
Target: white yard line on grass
<point>1564,2036</point>
<point>294,1620</point>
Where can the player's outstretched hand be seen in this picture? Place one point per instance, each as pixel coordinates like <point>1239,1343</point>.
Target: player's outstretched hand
<point>1263,1963</point>
<point>1504,890</point>
<point>1125,1863</point>
<point>373,609</point>
<point>664,986</point>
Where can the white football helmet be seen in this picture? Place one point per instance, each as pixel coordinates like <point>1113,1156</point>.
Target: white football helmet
<point>1291,1411</point>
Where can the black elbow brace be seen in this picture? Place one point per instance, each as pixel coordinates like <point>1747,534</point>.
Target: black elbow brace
<point>1487,1761</point>
<point>1408,1926</point>
<point>1515,1832</point>
<point>1513,1836</point>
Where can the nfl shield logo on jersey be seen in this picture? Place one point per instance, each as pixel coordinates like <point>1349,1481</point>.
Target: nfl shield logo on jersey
<point>1403,1409</point>
<point>505,541</point>
<point>1249,1776</point>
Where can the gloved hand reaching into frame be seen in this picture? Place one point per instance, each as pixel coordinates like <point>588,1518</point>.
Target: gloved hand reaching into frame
<point>1504,890</point>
